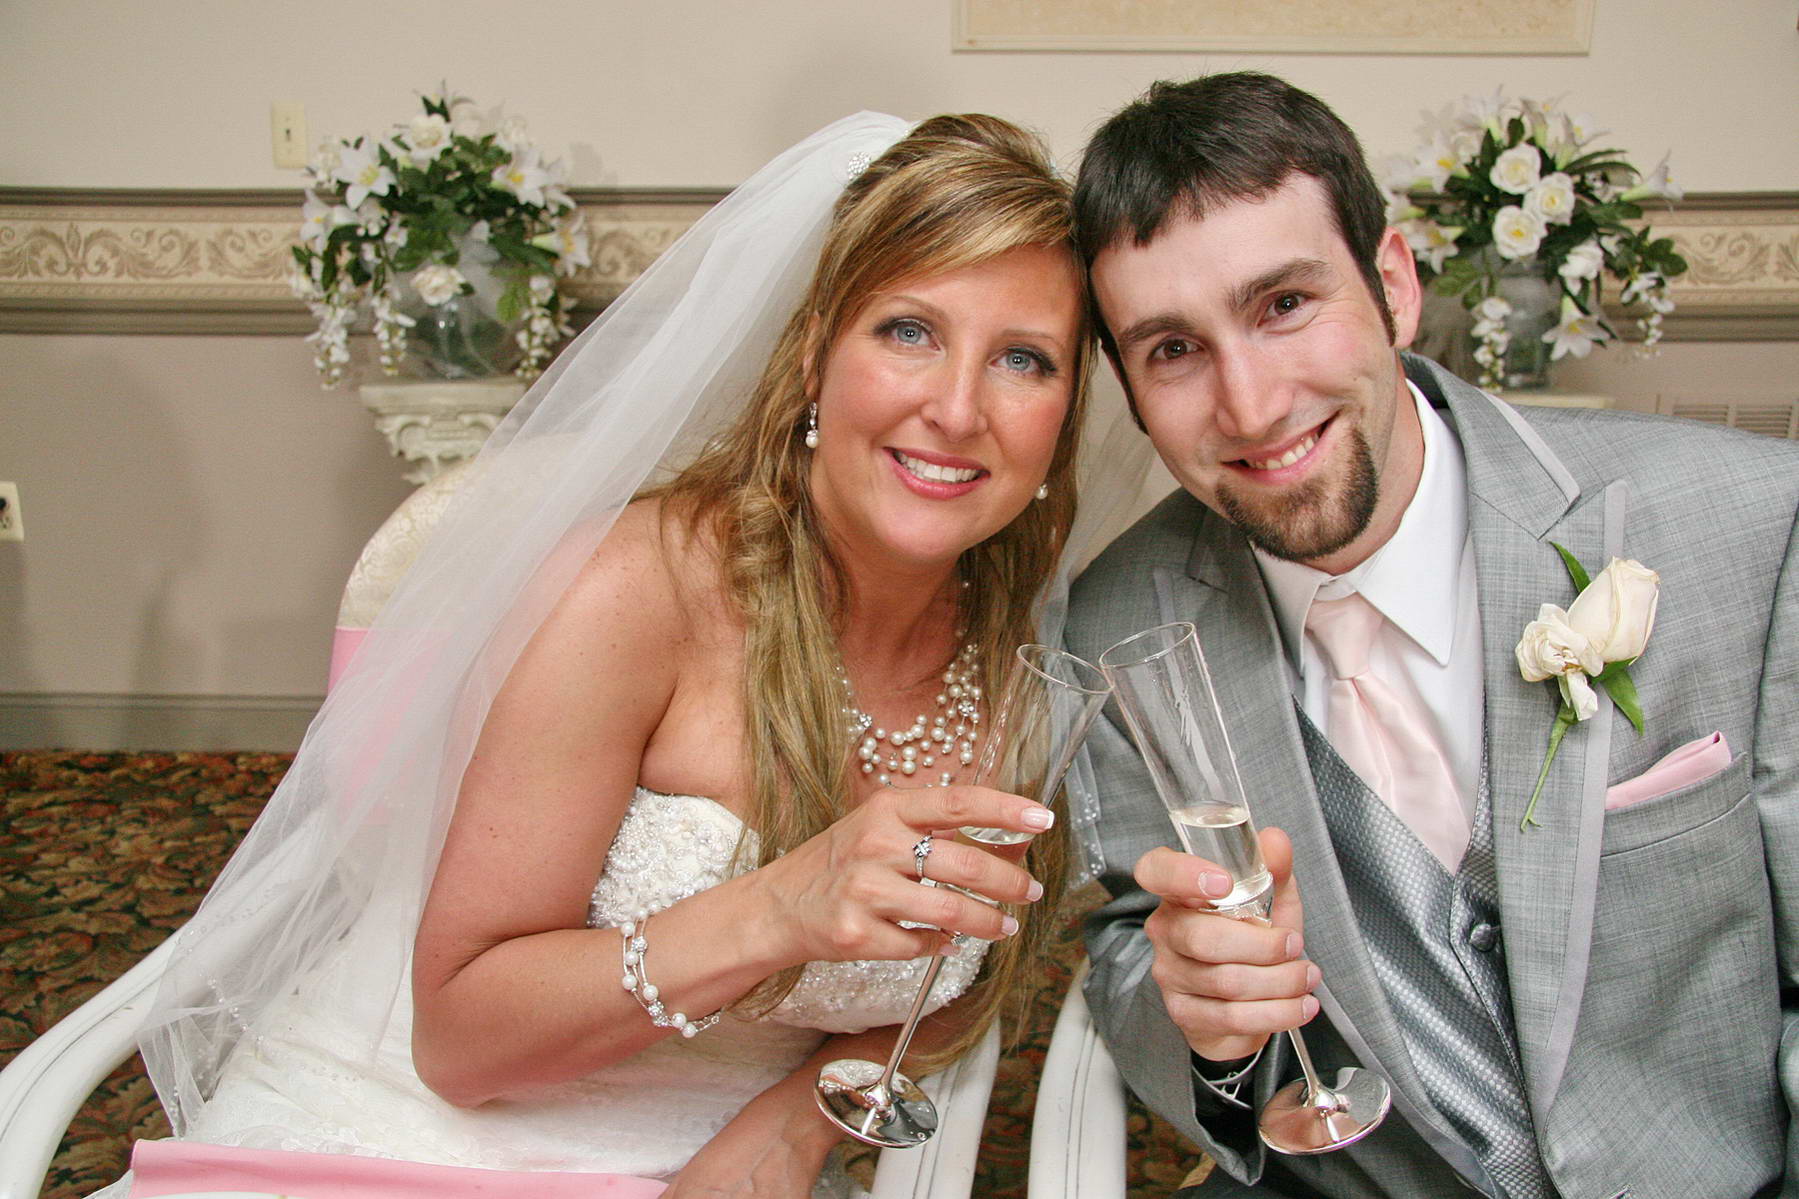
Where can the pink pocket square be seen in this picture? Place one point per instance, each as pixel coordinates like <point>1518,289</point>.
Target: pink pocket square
<point>1687,765</point>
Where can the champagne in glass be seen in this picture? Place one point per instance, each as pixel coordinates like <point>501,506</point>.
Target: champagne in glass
<point>1044,710</point>
<point>1166,695</point>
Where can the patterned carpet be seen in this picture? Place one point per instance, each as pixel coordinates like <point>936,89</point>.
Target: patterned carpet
<point>102,855</point>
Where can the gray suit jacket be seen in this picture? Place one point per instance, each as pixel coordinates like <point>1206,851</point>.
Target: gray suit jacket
<point>1652,952</point>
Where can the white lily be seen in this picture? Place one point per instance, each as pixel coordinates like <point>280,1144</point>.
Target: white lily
<point>569,243</point>
<point>465,120</point>
<point>1430,241</point>
<point>1656,185</point>
<point>317,220</point>
<point>1400,207</point>
<point>524,177</point>
<point>427,136</point>
<point>360,170</point>
<point>1640,287</point>
<point>1576,334</point>
<point>1485,112</point>
<point>512,135</point>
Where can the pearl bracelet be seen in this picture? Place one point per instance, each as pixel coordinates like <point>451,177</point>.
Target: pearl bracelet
<point>636,981</point>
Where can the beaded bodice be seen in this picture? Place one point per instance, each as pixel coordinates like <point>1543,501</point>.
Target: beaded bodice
<point>671,846</point>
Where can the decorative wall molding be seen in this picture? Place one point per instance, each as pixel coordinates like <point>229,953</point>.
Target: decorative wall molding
<point>1742,280</point>
<point>211,262</point>
<point>1291,27</point>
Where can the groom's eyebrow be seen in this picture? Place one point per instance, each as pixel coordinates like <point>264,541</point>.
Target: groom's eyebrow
<point>1288,274</point>
<point>1152,326</point>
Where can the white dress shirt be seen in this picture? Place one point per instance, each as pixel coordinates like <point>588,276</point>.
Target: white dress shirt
<point>1429,645</point>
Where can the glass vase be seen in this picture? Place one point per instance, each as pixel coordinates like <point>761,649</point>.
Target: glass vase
<point>464,337</point>
<point>1536,305</point>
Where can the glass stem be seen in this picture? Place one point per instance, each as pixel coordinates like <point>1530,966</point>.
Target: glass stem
<point>911,1025</point>
<point>1257,911</point>
<point>1316,1094</point>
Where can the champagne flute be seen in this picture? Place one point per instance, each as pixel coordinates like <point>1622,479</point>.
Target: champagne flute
<point>1165,692</point>
<point>1045,707</point>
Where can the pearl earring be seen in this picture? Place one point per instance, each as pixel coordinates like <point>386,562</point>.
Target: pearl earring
<point>812,427</point>
<point>1043,492</point>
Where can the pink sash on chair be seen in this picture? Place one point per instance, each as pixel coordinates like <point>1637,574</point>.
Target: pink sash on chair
<point>181,1167</point>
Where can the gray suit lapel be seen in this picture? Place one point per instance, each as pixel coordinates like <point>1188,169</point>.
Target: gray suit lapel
<point>1521,500</point>
<point>1222,590</point>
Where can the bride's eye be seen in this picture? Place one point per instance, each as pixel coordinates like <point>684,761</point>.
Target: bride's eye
<point>907,331</point>
<point>1027,362</point>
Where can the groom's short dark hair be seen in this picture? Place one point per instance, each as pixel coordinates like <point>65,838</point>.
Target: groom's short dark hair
<point>1184,149</point>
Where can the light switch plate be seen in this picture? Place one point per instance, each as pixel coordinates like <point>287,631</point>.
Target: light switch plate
<point>287,130</point>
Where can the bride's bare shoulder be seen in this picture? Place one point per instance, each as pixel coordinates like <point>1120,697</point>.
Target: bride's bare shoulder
<point>654,572</point>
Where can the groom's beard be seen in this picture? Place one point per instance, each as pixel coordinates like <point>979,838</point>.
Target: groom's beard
<point>1317,518</point>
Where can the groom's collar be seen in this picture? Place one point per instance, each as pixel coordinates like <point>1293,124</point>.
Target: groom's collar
<point>1510,467</point>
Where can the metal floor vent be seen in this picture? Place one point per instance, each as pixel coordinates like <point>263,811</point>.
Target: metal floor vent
<point>1775,418</point>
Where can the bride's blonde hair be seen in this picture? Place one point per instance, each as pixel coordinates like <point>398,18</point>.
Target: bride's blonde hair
<point>956,191</point>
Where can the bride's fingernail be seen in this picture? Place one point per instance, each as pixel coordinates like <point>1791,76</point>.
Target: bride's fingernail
<point>1009,926</point>
<point>1034,892</point>
<point>1038,818</point>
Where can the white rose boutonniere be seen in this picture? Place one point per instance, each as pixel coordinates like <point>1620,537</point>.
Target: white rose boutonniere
<point>1590,645</point>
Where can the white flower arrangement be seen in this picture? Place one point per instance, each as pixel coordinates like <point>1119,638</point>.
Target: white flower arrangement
<point>382,215</point>
<point>1498,181</point>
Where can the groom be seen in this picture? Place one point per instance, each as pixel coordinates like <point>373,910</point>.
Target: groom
<point>1603,1004</point>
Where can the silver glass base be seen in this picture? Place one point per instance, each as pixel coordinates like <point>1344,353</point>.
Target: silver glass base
<point>1353,1108</point>
<point>900,1116</point>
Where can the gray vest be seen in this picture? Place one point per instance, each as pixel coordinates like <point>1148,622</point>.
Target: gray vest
<point>1435,942</point>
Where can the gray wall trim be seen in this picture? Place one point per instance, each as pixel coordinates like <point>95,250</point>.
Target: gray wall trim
<point>104,722</point>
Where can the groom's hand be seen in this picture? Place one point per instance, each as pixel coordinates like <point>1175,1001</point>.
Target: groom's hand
<point>1228,984</point>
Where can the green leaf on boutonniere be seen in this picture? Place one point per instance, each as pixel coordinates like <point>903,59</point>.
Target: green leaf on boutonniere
<point>1616,680</point>
<point>1576,571</point>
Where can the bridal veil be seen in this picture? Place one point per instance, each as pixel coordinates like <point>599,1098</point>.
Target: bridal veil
<point>338,865</point>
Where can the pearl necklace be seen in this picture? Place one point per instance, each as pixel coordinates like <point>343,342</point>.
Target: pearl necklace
<point>960,698</point>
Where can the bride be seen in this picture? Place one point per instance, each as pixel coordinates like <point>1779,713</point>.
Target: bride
<point>871,362</point>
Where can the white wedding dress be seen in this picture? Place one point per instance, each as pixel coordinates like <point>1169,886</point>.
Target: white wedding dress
<point>300,1085</point>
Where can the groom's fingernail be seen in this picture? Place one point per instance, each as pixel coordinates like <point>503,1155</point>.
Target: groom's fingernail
<point>1038,818</point>
<point>1214,884</point>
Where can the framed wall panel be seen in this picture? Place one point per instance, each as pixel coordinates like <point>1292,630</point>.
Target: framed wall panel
<point>1287,26</point>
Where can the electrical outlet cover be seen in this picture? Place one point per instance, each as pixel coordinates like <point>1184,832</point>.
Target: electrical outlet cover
<point>12,522</point>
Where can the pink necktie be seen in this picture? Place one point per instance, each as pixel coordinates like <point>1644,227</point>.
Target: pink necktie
<point>1383,737</point>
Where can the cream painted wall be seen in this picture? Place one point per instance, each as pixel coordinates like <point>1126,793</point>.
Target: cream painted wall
<point>123,93</point>
<point>194,503</point>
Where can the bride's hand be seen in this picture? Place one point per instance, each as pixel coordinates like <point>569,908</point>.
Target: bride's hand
<point>773,1149</point>
<point>840,896</point>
